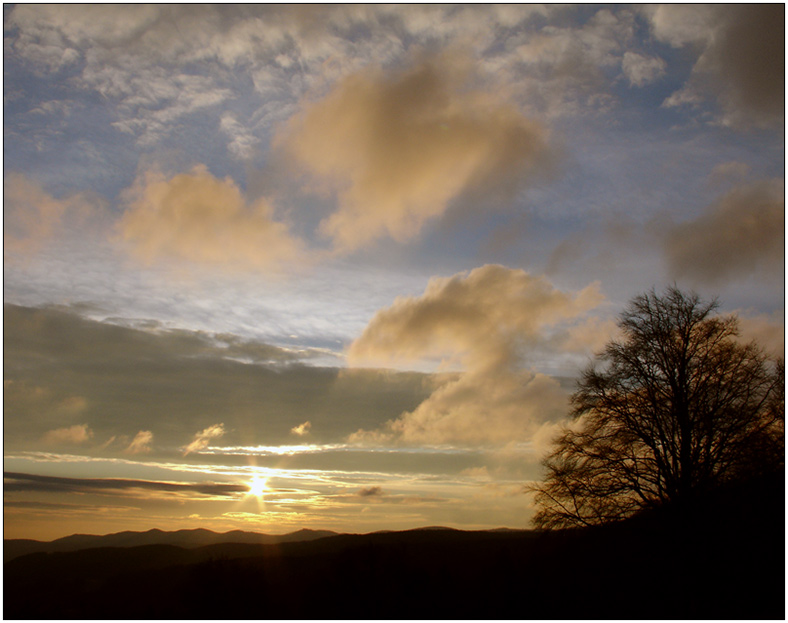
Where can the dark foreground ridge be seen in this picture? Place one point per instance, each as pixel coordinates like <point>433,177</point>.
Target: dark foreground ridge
<point>722,558</point>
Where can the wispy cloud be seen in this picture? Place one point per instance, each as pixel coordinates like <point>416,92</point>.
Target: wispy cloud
<point>204,437</point>
<point>140,443</point>
<point>14,482</point>
<point>641,70</point>
<point>367,492</point>
<point>243,143</point>
<point>77,434</point>
<point>302,429</point>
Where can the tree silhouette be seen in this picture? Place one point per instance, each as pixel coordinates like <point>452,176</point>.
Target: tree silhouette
<point>675,408</point>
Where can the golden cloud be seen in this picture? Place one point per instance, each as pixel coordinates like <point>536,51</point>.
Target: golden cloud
<point>77,434</point>
<point>768,330</point>
<point>481,316</point>
<point>32,217</point>
<point>302,429</point>
<point>398,147</point>
<point>481,406</point>
<point>484,320</point>
<point>141,443</point>
<point>196,217</point>
<point>204,437</point>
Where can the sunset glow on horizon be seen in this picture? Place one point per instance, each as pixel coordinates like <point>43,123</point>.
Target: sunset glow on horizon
<point>273,267</point>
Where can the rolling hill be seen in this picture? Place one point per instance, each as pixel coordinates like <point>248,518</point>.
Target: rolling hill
<point>13,548</point>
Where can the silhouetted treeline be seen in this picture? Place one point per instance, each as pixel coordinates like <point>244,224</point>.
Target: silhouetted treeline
<point>721,557</point>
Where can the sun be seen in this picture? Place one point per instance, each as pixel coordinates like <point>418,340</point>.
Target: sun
<point>258,487</point>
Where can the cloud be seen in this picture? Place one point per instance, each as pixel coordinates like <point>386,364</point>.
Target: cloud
<point>134,58</point>
<point>20,482</point>
<point>134,379</point>
<point>154,101</point>
<point>768,330</point>
<point>563,69</point>
<point>589,336</point>
<point>32,217</point>
<point>736,236</point>
<point>74,435</point>
<point>398,147</point>
<point>53,107</point>
<point>243,144</point>
<point>367,492</point>
<point>140,443</point>
<point>482,317</point>
<point>98,24</point>
<point>199,218</point>
<point>128,54</point>
<point>488,321</point>
<point>57,506</point>
<point>641,70</point>
<point>729,172</point>
<point>301,429</point>
<point>204,437</point>
<point>478,408</point>
<point>682,24</point>
<point>742,57</point>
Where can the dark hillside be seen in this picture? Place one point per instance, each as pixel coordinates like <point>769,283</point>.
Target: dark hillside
<point>13,548</point>
<point>723,558</point>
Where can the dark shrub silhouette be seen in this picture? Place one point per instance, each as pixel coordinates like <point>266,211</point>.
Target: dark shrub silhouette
<point>673,410</point>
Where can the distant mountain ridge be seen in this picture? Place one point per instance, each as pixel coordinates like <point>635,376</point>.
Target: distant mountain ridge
<point>199,537</point>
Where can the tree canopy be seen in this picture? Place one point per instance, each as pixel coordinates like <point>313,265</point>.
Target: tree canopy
<point>676,407</point>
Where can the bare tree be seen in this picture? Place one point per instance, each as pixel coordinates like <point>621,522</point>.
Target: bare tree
<point>678,406</point>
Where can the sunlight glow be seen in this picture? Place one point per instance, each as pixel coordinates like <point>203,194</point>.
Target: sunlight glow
<point>258,486</point>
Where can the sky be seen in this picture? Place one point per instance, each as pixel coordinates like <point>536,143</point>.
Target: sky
<point>271,267</point>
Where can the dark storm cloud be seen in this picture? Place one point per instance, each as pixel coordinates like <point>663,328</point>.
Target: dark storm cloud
<point>14,482</point>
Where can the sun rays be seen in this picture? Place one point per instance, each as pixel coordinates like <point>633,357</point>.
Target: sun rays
<point>258,487</point>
